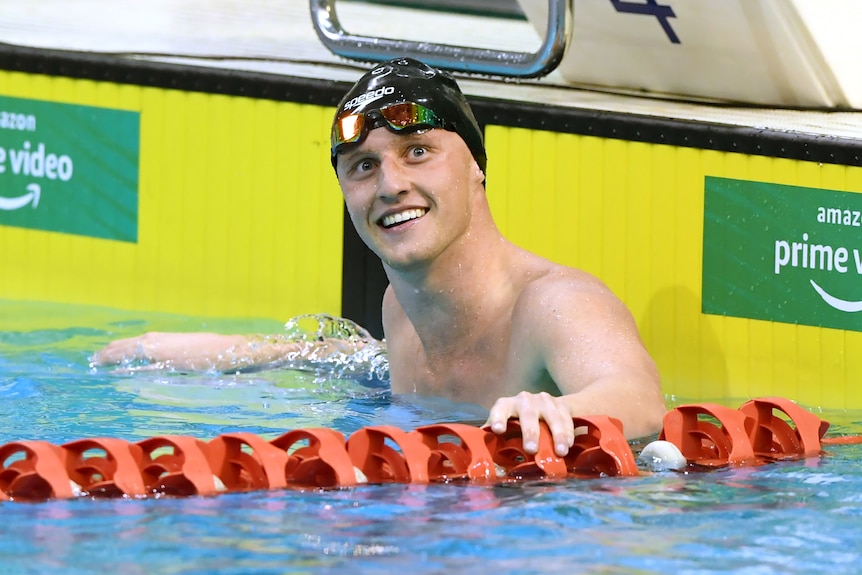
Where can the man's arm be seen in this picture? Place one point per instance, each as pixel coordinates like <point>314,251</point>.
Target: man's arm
<point>586,340</point>
<point>217,352</point>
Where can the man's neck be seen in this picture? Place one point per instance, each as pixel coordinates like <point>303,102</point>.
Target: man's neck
<point>458,292</point>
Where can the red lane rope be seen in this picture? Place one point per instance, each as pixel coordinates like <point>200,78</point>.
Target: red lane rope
<point>842,440</point>
<point>707,435</point>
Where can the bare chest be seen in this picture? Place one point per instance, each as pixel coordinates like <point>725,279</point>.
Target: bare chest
<point>470,369</point>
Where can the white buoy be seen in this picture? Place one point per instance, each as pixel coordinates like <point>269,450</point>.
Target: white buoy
<point>662,456</point>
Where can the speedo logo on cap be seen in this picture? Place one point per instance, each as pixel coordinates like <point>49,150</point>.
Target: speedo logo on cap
<point>369,96</point>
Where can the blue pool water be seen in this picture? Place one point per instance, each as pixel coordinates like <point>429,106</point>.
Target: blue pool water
<point>791,517</point>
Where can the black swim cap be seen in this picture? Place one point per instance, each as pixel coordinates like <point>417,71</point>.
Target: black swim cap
<point>408,80</point>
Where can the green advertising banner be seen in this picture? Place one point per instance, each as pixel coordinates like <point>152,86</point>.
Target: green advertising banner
<point>782,253</point>
<point>68,168</point>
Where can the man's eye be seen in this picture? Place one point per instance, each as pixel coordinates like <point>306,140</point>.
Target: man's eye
<point>363,165</point>
<point>418,151</point>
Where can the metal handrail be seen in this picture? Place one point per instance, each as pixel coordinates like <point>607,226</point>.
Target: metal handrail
<point>450,57</point>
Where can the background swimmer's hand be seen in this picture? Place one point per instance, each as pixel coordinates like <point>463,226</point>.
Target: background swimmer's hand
<point>529,408</point>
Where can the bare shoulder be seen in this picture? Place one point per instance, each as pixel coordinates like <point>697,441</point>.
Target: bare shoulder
<point>571,280</point>
<point>569,316</point>
<point>561,291</point>
<point>580,331</point>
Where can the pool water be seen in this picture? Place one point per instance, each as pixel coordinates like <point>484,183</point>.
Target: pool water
<point>791,517</point>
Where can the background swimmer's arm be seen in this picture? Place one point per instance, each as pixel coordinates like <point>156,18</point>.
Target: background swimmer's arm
<point>215,352</point>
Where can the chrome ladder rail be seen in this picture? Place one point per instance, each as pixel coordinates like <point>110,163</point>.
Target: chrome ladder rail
<point>450,57</point>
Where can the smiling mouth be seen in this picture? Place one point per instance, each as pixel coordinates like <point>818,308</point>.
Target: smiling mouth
<point>393,220</point>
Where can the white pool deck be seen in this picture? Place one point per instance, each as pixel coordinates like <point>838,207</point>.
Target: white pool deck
<point>278,37</point>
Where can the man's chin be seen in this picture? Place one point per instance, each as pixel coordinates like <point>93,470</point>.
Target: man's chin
<point>402,263</point>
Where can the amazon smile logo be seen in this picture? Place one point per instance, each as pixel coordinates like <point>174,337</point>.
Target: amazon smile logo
<point>31,197</point>
<point>839,304</point>
<point>782,253</point>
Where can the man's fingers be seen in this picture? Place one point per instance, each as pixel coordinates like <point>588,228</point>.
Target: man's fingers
<point>562,431</point>
<point>530,408</point>
<point>529,411</point>
<point>110,354</point>
<point>118,352</point>
<point>559,421</point>
<point>499,416</point>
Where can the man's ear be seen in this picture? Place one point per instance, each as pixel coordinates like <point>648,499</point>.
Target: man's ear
<point>480,175</point>
<point>477,172</point>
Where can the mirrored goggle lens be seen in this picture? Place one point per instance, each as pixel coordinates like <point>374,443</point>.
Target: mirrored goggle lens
<point>349,129</point>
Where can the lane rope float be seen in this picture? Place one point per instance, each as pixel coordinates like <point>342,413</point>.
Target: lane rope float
<point>706,435</point>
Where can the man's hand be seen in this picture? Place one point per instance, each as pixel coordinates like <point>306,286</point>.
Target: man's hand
<point>530,408</point>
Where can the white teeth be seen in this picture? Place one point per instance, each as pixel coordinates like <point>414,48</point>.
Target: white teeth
<point>406,215</point>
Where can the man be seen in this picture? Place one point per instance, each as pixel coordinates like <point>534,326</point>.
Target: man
<point>467,315</point>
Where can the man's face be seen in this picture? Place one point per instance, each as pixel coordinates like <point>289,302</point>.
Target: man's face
<point>410,196</point>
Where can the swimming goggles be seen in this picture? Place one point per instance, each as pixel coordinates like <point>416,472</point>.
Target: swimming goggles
<point>352,128</point>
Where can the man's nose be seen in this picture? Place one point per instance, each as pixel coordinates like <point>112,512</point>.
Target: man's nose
<point>393,179</point>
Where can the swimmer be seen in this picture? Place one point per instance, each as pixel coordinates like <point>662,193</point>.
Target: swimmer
<point>467,314</point>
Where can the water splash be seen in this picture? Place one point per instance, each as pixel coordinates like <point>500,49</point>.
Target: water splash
<point>336,347</point>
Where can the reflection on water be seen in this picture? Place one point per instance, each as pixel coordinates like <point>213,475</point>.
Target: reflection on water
<point>791,517</point>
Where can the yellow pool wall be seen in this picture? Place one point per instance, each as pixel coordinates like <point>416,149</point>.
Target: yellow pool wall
<point>239,212</point>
